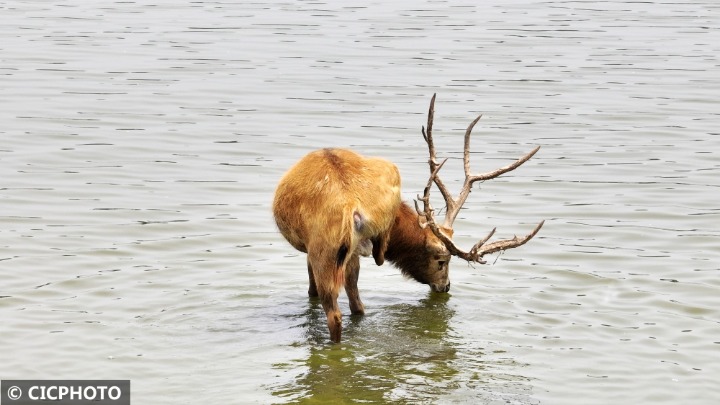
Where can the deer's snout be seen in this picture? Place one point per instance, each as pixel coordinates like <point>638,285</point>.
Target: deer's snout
<point>440,288</point>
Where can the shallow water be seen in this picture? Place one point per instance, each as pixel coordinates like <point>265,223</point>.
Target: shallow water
<point>141,142</point>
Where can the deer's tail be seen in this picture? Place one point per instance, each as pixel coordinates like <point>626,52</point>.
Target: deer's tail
<point>354,223</point>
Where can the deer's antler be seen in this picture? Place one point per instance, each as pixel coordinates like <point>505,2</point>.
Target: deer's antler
<point>455,204</point>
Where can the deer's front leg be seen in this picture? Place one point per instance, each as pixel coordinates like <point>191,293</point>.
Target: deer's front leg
<point>352,273</point>
<point>380,245</point>
<point>312,289</point>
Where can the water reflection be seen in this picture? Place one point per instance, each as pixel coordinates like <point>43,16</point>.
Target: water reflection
<point>399,354</point>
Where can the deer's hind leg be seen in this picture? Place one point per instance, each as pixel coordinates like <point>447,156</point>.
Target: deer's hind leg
<point>328,277</point>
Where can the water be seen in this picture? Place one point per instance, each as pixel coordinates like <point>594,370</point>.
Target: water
<point>141,142</point>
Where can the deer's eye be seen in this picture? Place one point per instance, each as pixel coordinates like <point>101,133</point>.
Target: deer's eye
<point>441,264</point>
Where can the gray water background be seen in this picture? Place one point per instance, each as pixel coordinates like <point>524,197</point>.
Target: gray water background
<point>140,144</point>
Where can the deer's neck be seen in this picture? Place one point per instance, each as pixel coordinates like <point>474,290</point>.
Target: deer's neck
<point>407,245</point>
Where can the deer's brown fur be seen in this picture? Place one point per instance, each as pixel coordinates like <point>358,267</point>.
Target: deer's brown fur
<point>417,252</point>
<point>331,205</point>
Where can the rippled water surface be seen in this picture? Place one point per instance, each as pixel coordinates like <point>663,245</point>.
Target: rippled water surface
<point>140,144</point>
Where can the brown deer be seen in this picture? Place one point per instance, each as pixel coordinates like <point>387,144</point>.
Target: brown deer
<point>336,205</point>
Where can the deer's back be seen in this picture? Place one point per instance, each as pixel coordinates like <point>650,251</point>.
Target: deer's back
<point>318,197</point>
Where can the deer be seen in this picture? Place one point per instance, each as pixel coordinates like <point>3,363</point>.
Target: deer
<point>336,205</point>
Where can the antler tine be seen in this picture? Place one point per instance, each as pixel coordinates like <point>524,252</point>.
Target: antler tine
<point>427,208</point>
<point>505,169</point>
<point>421,215</point>
<point>454,205</point>
<point>482,241</point>
<point>428,212</point>
<point>427,135</point>
<point>508,243</point>
<point>466,145</point>
<point>480,249</point>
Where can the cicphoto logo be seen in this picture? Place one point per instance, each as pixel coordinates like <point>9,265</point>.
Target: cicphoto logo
<point>65,392</point>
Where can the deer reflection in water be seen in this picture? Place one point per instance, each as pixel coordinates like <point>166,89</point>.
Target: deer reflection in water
<point>404,352</point>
